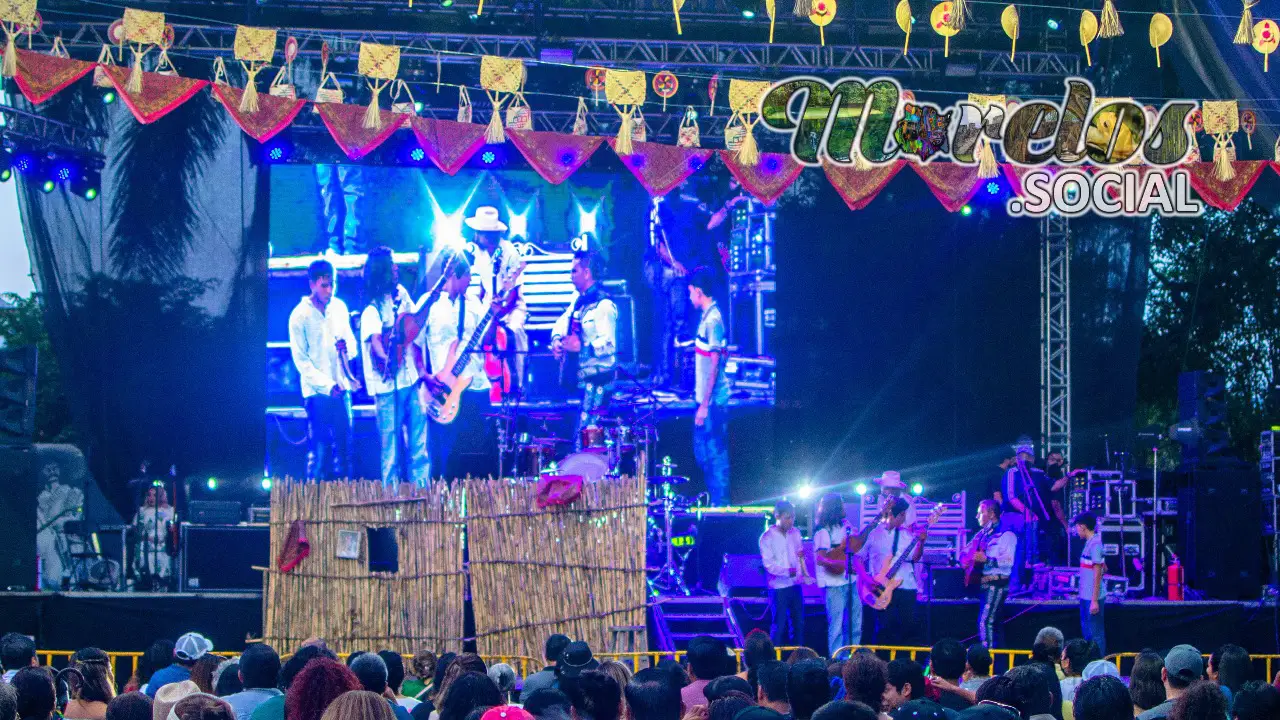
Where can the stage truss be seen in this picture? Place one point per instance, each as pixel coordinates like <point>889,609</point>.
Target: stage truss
<point>1055,335</point>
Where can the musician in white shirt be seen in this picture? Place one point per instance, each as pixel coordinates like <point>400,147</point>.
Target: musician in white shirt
<point>895,625</point>
<point>496,257</point>
<point>589,327</point>
<point>319,335</point>
<point>991,553</point>
<point>397,403</point>
<point>782,550</point>
<point>844,609</point>
<point>454,318</point>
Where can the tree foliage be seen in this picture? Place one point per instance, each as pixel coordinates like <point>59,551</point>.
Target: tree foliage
<point>22,326</point>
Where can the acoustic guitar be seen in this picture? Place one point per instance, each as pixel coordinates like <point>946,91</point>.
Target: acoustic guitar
<point>878,592</point>
<point>977,545</point>
<point>398,338</point>
<point>837,557</point>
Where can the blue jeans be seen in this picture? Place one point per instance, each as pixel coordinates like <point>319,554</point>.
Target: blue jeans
<point>711,449</point>
<point>408,404</point>
<point>329,440</point>
<point>838,598</point>
<point>788,616</point>
<point>1093,627</point>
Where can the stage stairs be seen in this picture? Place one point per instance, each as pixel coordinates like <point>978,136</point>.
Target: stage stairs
<point>678,619</point>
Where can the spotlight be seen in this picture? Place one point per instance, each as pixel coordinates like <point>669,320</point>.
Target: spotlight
<point>993,187</point>
<point>489,157</point>
<point>860,488</point>
<point>86,184</point>
<point>266,484</point>
<point>64,170</point>
<point>805,491</point>
<point>26,162</point>
<point>108,97</point>
<point>966,211</point>
<point>6,172</point>
<point>278,150</point>
<point>417,106</point>
<point>211,483</point>
<point>917,489</point>
<point>48,186</point>
<point>748,14</point>
<point>1053,24</point>
<point>446,3</point>
<point>417,154</point>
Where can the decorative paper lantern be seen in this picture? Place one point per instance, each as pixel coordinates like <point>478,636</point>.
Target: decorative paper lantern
<point>595,81</point>
<point>1159,33</point>
<point>141,30</point>
<point>1244,31</point>
<point>625,90</point>
<point>254,48</point>
<point>1009,21</point>
<point>14,14</point>
<point>821,14</point>
<point>1221,121</point>
<point>381,64</point>
<point>1266,35</point>
<point>941,20</point>
<point>500,77</point>
<point>1088,32</point>
<point>903,15</point>
<point>1249,124</point>
<point>665,85</point>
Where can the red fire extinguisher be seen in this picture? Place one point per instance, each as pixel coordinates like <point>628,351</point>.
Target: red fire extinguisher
<point>1175,578</point>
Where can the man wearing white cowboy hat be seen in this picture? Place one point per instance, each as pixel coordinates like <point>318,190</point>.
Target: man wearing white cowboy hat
<point>891,486</point>
<point>495,258</point>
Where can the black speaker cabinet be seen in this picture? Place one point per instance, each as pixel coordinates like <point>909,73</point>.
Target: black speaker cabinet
<point>222,558</point>
<point>1220,515</point>
<point>18,517</point>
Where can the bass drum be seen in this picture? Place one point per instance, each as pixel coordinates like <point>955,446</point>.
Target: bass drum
<point>590,466</point>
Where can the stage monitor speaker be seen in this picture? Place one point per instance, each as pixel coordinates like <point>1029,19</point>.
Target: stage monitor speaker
<point>222,557</point>
<point>18,517</point>
<point>1220,515</point>
<point>215,512</point>
<point>947,583</point>
<point>17,395</point>
<point>719,535</point>
<point>384,550</point>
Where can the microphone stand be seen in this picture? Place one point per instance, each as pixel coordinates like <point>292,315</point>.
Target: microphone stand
<point>848,586</point>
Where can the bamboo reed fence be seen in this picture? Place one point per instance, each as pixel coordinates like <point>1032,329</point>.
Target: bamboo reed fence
<point>577,569</point>
<point>338,599</point>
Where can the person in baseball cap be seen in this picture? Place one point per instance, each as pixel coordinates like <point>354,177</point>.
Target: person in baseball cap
<point>1183,666</point>
<point>189,649</point>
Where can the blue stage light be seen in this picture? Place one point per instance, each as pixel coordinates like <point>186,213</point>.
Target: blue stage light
<point>266,484</point>
<point>417,154</point>
<point>1053,24</point>
<point>860,488</point>
<point>26,163</point>
<point>48,186</point>
<point>65,170</point>
<point>278,150</point>
<point>488,157</point>
<point>748,14</point>
<point>993,187</point>
<point>211,483</point>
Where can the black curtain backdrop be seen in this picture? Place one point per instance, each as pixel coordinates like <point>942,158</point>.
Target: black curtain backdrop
<point>155,298</point>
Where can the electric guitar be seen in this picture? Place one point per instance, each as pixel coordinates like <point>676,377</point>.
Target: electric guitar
<point>878,593</point>
<point>453,378</point>
<point>398,338</point>
<point>852,543</point>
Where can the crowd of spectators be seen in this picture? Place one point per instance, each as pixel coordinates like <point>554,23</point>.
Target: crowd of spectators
<point>1063,680</point>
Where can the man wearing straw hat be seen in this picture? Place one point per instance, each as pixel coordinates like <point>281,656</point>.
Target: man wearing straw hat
<point>496,257</point>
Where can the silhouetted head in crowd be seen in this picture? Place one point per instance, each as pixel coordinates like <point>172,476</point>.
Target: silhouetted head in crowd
<point>34,688</point>
<point>1146,686</point>
<point>226,679</point>
<point>259,666</point>
<point>724,685</point>
<point>919,709</point>
<point>595,695</point>
<point>845,710</point>
<point>905,682</point>
<point>801,653</point>
<point>504,676</point>
<point>554,647</point>
<point>947,659</point>
<point>540,702</point>
<point>202,671</point>
<point>865,676</point>
<point>89,677</point>
<point>202,706</point>
<point>442,668</point>
<point>707,657</point>
<point>461,665</point>
<point>424,665</point>
<point>299,660</point>
<point>371,671</point>
<point>729,705</point>
<point>1051,640</point>
<point>318,683</point>
<point>129,706</point>
<point>977,660</point>
<point>1032,693</point>
<point>757,648</point>
<point>18,651</point>
<point>395,669</point>
<point>9,704</point>
<point>1203,700</point>
<point>467,692</point>
<point>771,685</point>
<point>1078,653</point>
<point>807,688</point>
<point>159,655</point>
<point>1256,700</point>
<point>652,695</point>
<point>1230,667</point>
<point>1103,698</point>
<point>359,705</point>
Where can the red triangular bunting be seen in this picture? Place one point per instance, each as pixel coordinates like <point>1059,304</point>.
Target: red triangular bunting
<point>160,93</point>
<point>346,125</point>
<point>1224,195</point>
<point>860,187</point>
<point>661,168</point>
<point>274,113</point>
<point>952,183</point>
<point>449,144</point>
<point>554,155</point>
<point>41,76</point>
<point>768,179</point>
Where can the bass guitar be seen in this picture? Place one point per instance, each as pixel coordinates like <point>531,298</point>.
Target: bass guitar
<point>877,592</point>
<point>453,378</point>
<point>397,339</point>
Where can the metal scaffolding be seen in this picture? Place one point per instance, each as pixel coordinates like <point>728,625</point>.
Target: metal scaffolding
<point>420,50</point>
<point>1055,335</point>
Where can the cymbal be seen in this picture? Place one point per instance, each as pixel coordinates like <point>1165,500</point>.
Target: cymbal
<point>544,416</point>
<point>546,441</point>
<point>667,479</point>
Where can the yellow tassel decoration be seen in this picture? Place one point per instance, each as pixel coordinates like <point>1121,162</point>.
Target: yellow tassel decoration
<point>249,99</point>
<point>802,8</point>
<point>373,113</point>
<point>1222,168</point>
<point>623,146</point>
<point>987,167</point>
<point>959,8</point>
<point>134,86</point>
<point>10,66</point>
<point>1244,33</point>
<point>1111,26</point>
<point>493,132</point>
<point>749,152</point>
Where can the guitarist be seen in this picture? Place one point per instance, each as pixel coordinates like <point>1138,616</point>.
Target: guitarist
<point>589,327</point>
<point>494,258</point>
<point>455,317</point>
<point>895,625</point>
<point>844,610</point>
<point>396,400</point>
<point>989,560</point>
<point>321,343</point>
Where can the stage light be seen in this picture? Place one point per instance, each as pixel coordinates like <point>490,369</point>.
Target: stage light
<point>417,154</point>
<point>917,489</point>
<point>278,150</point>
<point>48,186</point>
<point>586,218</point>
<point>1052,23</point>
<point>87,184</point>
<point>860,488</point>
<point>417,106</point>
<point>6,172</point>
<point>108,97</point>
<point>748,14</point>
<point>266,484</point>
<point>211,483</point>
<point>64,170</point>
<point>488,157</point>
<point>966,211</point>
<point>805,491</point>
<point>993,187</point>
<point>26,162</point>
<point>446,3</point>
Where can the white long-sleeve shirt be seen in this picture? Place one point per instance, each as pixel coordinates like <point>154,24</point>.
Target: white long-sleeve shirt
<point>313,343</point>
<point>1000,553</point>
<point>598,316</point>
<point>442,330</point>
<point>881,548</point>
<point>780,553</point>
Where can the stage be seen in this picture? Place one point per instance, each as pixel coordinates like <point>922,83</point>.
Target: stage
<point>131,621</point>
